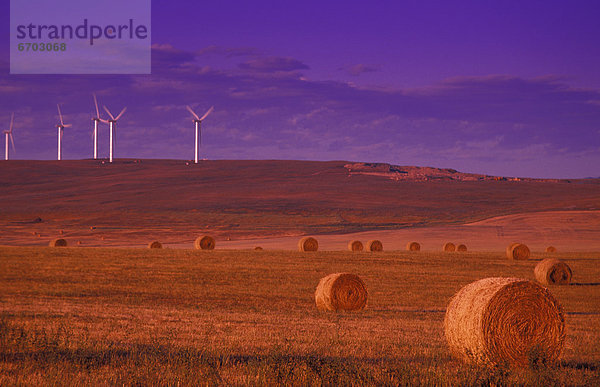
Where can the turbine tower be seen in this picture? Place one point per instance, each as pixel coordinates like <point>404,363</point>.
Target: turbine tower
<point>112,123</point>
<point>60,127</point>
<point>96,119</point>
<point>197,123</point>
<point>7,135</point>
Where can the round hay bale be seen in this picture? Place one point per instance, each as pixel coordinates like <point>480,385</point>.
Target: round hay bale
<point>258,248</point>
<point>374,245</point>
<point>205,242</point>
<point>449,246</point>
<point>551,271</point>
<point>155,245</point>
<point>308,244</point>
<point>551,249</point>
<point>355,246</point>
<point>341,291</point>
<point>505,322</point>
<point>517,251</point>
<point>413,246</point>
<point>59,242</point>
<point>461,247</point>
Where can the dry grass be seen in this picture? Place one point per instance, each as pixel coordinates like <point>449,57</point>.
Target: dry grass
<point>355,246</point>
<point>341,291</point>
<point>374,245</point>
<point>505,321</point>
<point>58,242</point>
<point>518,251</point>
<point>155,245</point>
<point>552,271</point>
<point>205,242</point>
<point>308,244</point>
<point>413,246</point>
<point>448,247</point>
<point>86,316</point>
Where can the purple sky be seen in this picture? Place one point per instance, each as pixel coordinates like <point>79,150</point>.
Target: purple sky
<point>508,88</point>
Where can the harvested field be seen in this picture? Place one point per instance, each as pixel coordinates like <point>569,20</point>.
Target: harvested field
<point>161,316</point>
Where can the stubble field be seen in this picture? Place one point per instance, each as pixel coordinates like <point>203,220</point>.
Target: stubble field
<point>239,317</point>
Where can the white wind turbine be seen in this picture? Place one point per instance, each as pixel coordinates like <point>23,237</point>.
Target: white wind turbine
<point>60,127</point>
<point>198,122</point>
<point>96,119</point>
<point>113,126</point>
<point>8,134</point>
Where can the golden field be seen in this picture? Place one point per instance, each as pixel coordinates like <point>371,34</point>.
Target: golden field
<point>73,316</point>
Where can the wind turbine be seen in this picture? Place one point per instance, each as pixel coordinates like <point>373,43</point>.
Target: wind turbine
<point>8,134</point>
<point>96,119</point>
<point>60,127</point>
<point>197,122</point>
<point>112,123</point>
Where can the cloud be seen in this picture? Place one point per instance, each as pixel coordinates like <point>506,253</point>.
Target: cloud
<point>359,69</point>
<point>263,109</point>
<point>273,64</point>
<point>165,55</point>
<point>229,51</point>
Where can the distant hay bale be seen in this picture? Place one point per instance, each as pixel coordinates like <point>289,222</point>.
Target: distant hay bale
<point>59,242</point>
<point>461,247</point>
<point>551,249</point>
<point>551,271</point>
<point>308,244</point>
<point>374,245</point>
<point>355,246</point>
<point>413,246</point>
<point>155,245</point>
<point>341,291</point>
<point>517,251</point>
<point>258,248</point>
<point>205,242</point>
<point>449,246</point>
<point>505,322</point>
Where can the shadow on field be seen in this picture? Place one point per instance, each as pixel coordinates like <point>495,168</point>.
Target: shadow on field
<point>585,284</point>
<point>581,365</point>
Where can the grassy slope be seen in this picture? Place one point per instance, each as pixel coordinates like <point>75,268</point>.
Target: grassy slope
<point>129,201</point>
<point>131,316</point>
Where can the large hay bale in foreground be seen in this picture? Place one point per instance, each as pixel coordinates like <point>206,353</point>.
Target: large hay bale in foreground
<point>205,242</point>
<point>59,242</point>
<point>551,249</point>
<point>449,246</point>
<point>155,245</point>
<point>461,247</point>
<point>551,271</point>
<point>308,244</point>
<point>355,246</point>
<point>505,322</point>
<point>517,251</point>
<point>413,246</point>
<point>374,245</point>
<point>341,291</point>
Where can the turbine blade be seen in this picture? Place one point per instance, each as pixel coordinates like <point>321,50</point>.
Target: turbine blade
<point>120,114</point>
<point>12,120</point>
<point>67,125</point>
<point>109,113</point>
<point>60,115</point>
<point>12,141</point>
<point>207,113</point>
<point>96,103</point>
<point>193,113</point>
<point>104,121</point>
